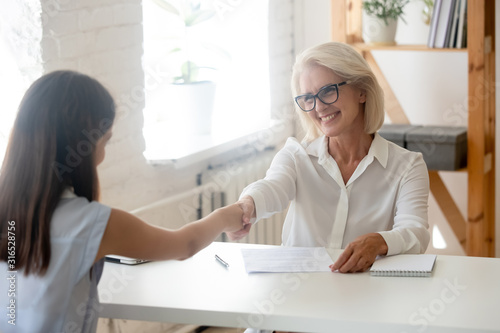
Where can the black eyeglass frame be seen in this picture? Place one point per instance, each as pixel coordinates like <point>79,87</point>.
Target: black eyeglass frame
<point>336,85</point>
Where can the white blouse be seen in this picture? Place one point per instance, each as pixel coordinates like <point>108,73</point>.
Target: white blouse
<point>387,193</point>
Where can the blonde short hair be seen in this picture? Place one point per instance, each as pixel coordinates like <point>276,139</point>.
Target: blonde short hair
<point>345,62</point>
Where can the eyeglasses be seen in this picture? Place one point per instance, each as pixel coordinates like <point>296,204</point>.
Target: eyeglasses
<point>327,95</point>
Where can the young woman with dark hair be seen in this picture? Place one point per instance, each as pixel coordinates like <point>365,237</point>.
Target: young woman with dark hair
<point>54,232</point>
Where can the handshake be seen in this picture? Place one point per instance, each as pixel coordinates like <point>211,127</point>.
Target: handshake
<point>237,217</point>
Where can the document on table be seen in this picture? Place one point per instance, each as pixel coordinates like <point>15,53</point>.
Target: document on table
<point>286,259</point>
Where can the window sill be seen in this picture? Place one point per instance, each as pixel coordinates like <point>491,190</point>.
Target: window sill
<point>183,152</point>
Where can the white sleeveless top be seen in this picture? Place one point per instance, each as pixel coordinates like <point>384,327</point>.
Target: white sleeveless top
<point>64,299</point>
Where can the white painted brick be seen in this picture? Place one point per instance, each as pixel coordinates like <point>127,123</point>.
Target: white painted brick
<point>129,126</point>
<point>145,185</point>
<point>281,10</point>
<point>76,45</point>
<point>51,8</point>
<point>281,44</point>
<point>280,94</point>
<point>50,48</point>
<point>127,89</point>
<point>95,18</point>
<point>114,175</point>
<point>123,82</point>
<point>118,37</point>
<point>127,104</point>
<point>122,149</point>
<point>112,61</point>
<point>134,192</point>
<point>283,66</point>
<point>281,29</point>
<point>281,15</point>
<point>112,160</point>
<point>51,66</point>
<point>60,23</point>
<point>55,6</point>
<point>66,5</point>
<point>127,14</point>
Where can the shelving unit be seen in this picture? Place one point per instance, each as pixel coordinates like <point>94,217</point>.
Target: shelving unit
<point>477,233</point>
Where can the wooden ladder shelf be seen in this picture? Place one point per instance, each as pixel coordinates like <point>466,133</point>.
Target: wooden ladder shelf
<point>477,232</point>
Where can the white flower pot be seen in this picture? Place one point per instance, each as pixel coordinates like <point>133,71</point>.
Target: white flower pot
<point>190,107</point>
<point>376,32</point>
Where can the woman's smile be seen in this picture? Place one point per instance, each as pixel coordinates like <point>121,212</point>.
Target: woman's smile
<point>326,118</point>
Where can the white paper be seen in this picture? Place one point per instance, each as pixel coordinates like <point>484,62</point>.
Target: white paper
<point>286,260</point>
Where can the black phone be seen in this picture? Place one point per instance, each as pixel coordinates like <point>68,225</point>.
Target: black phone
<point>124,260</point>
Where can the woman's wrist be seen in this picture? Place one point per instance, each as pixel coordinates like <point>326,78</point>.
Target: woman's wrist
<point>383,247</point>
<point>248,206</point>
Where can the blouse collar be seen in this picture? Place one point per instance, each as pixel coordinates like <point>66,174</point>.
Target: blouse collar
<point>68,193</point>
<point>378,149</point>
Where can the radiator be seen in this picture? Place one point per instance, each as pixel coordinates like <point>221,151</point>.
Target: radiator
<point>217,187</point>
<point>229,181</point>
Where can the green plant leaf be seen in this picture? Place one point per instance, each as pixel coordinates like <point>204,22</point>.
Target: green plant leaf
<point>195,6</point>
<point>178,79</point>
<point>189,71</point>
<point>177,49</point>
<point>168,7</point>
<point>384,9</point>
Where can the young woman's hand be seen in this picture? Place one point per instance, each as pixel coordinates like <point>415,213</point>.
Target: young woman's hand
<point>232,215</point>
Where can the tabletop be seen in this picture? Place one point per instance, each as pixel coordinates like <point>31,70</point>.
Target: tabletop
<point>462,295</point>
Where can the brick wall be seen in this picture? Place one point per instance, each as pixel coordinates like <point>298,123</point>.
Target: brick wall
<point>103,38</point>
<point>281,53</point>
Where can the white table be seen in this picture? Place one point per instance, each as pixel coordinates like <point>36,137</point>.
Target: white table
<point>463,295</point>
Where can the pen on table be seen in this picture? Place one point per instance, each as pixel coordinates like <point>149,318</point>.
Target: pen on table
<point>219,259</point>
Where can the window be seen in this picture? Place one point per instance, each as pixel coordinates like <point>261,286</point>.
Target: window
<point>232,49</point>
<point>13,82</point>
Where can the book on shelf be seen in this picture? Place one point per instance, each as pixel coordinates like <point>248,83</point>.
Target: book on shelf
<point>434,22</point>
<point>462,26</point>
<point>451,35</point>
<point>445,18</point>
<point>448,24</point>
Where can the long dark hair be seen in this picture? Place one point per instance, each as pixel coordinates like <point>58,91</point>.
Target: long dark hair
<point>52,146</point>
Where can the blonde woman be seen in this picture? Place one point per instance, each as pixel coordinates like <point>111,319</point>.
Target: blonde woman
<point>345,186</point>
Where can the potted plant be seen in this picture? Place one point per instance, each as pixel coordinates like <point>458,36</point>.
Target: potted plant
<point>189,91</point>
<point>380,19</point>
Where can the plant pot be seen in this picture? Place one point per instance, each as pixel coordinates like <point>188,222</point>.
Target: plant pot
<point>191,106</point>
<point>376,32</point>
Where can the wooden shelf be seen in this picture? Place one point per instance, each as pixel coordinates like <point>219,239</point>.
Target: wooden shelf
<point>476,233</point>
<point>424,48</point>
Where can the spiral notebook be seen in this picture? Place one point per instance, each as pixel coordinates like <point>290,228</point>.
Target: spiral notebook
<point>419,265</point>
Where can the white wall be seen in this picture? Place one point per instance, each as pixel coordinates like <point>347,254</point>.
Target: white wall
<point>312,23</point>
<point>431,87</point>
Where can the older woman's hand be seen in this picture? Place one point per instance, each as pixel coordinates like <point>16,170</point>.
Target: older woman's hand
<point>248,206</point>
<point>360,254</point>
